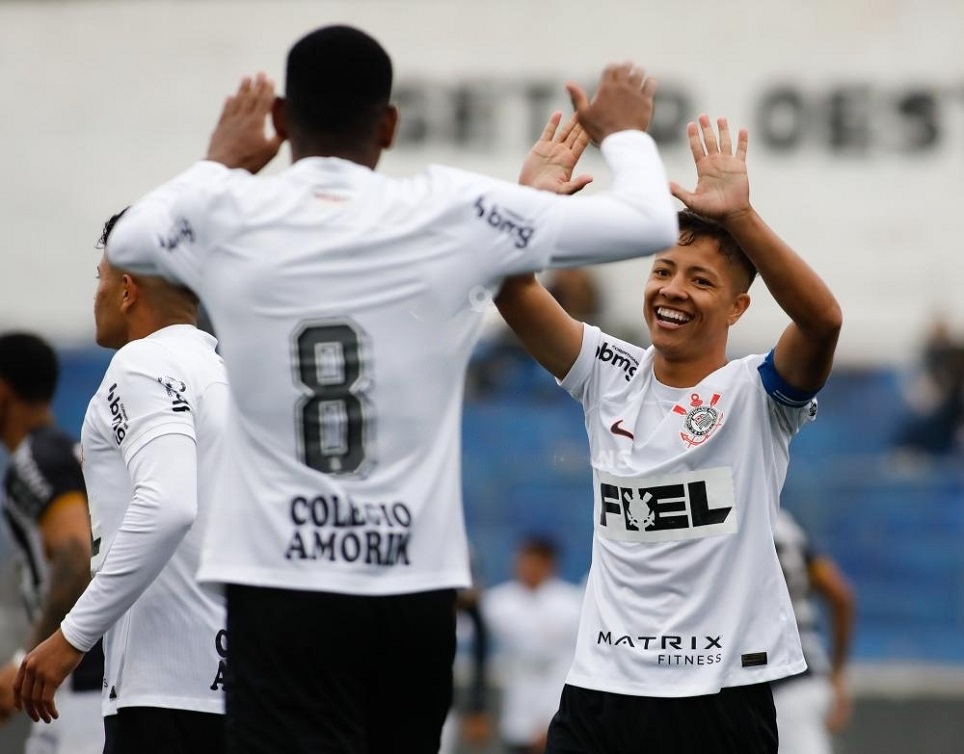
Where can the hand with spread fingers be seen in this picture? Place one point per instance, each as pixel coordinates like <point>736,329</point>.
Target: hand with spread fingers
<point>240,139</point>
<point>623,101</point>
<point>723,189</point>
<point>41,673</point>
<point>550,162</point>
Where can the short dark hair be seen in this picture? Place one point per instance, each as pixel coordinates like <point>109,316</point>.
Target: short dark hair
<point>108,227</point>
<point>28,364</point>
<point>693,227</point>
<point>338,80</point>
<point>540,545</point>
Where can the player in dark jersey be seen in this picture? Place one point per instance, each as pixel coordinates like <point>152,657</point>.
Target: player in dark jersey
<point>45,508</point>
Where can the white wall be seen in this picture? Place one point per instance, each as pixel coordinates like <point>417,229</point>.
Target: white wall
<point>103,100</point>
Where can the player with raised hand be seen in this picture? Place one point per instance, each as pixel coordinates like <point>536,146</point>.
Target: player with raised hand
<point>343,302</point>
<point>687,616</point>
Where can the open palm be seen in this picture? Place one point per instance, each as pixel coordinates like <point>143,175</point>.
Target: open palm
<point>550,162</point>
<point>722,187</point>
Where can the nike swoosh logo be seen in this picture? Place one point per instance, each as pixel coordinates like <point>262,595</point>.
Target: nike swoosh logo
<point>618,430</point>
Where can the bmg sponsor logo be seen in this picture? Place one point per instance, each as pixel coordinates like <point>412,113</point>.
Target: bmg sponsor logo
<point>617,357</point>
<point>505,221</point>
<point>118,414</point>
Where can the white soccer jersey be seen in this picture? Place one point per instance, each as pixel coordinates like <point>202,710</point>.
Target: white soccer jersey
<point>167,650</point>
<point>685,594</point>
<point>535,635</point>
<point>347,304</point>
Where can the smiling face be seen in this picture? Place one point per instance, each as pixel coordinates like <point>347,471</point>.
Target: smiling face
<point>692,297</point>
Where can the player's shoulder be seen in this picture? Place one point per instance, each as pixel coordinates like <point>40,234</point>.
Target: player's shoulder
<point>47,446</point>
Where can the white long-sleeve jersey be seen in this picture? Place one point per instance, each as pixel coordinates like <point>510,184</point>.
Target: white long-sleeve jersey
<point>347,304</point>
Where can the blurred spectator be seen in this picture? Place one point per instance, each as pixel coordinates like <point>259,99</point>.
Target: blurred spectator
<point>935,397</point>
<point>501,366</point>
<point>533,620</point>
<point>813,705</point>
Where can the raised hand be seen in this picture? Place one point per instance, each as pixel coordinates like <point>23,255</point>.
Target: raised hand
<point>239,139</point>
<point>550,162</point>
<point>623,101</point>
<point>722,188</point>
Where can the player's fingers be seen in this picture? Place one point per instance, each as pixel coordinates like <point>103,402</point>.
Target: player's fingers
<point>696,146</point>
<point>741,143</point>
<point>551,125</point>
<point>578,140</point>
<point>265,94</point>
<point>577,184</point>
<point>709,138</point>
<point>577,95</point>
<point>27,696</point>
<point>650,86</point>
<point>635,76</point>
<point>571,124</point>
<point>47,704</point>
<point>726,146</point>
<point>680,193</point>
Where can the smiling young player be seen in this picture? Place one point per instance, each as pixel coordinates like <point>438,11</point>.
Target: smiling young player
<point>687,617</point>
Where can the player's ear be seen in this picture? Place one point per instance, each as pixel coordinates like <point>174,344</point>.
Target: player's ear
<point>740,305</point>
<point>129,292</point>
<point>388,127</point>
<point>279,117</point>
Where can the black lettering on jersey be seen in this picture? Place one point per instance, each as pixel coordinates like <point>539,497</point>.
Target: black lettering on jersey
<point>221,647</point>
<point>617,357</point>
<point>180,231</point>
<point>661,507</point>
<point>505,221</point>
<point>118,414</point>
<point>175,389</point>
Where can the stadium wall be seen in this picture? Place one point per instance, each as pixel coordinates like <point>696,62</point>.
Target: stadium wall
<point>856,112</point>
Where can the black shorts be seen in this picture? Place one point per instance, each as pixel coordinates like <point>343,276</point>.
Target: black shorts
<point>737,720</point>
<point>336,673</point>
<point>155,730</point>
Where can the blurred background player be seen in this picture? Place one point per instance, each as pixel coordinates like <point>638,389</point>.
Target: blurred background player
<point>533,619</point>
<point>343,301</point>
<point>45,508</point>
<point>152,457</point>
<point>813,705</point>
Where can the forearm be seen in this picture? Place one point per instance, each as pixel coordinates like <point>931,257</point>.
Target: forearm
<point>161,512</point>
<point>797,289</point>
<point>68,575</point>
<point>636,217</point>
<point>156,225</point>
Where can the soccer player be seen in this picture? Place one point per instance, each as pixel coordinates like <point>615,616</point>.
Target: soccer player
<point>45,507</point>
<point>687,617</point>
<point>152,440</point>
<point>346,306</point>
<point>813,705</point>
<point>534,619</point>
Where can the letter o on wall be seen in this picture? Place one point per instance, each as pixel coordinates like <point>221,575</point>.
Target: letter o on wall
<point>781,118</point>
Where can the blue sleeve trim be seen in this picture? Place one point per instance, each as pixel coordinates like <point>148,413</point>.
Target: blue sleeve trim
<point>778,388</point>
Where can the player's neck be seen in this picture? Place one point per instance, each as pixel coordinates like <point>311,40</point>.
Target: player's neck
<point>361,154</point>
<point>144,326</point>
<point>686,372</point>
<point>22,419</point>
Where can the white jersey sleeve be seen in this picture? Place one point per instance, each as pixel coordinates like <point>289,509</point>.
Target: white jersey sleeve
<point>521,228</point>
<point>163,475</point>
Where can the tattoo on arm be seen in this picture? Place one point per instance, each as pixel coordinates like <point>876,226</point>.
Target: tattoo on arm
<point>69,574</point>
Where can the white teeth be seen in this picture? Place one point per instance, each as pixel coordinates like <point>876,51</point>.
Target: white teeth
<point>671,314</point>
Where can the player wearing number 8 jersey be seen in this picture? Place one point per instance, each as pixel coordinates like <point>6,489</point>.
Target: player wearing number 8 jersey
<point>343,303</point>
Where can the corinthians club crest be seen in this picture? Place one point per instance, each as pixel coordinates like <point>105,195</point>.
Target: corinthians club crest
<point>702,419</point>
